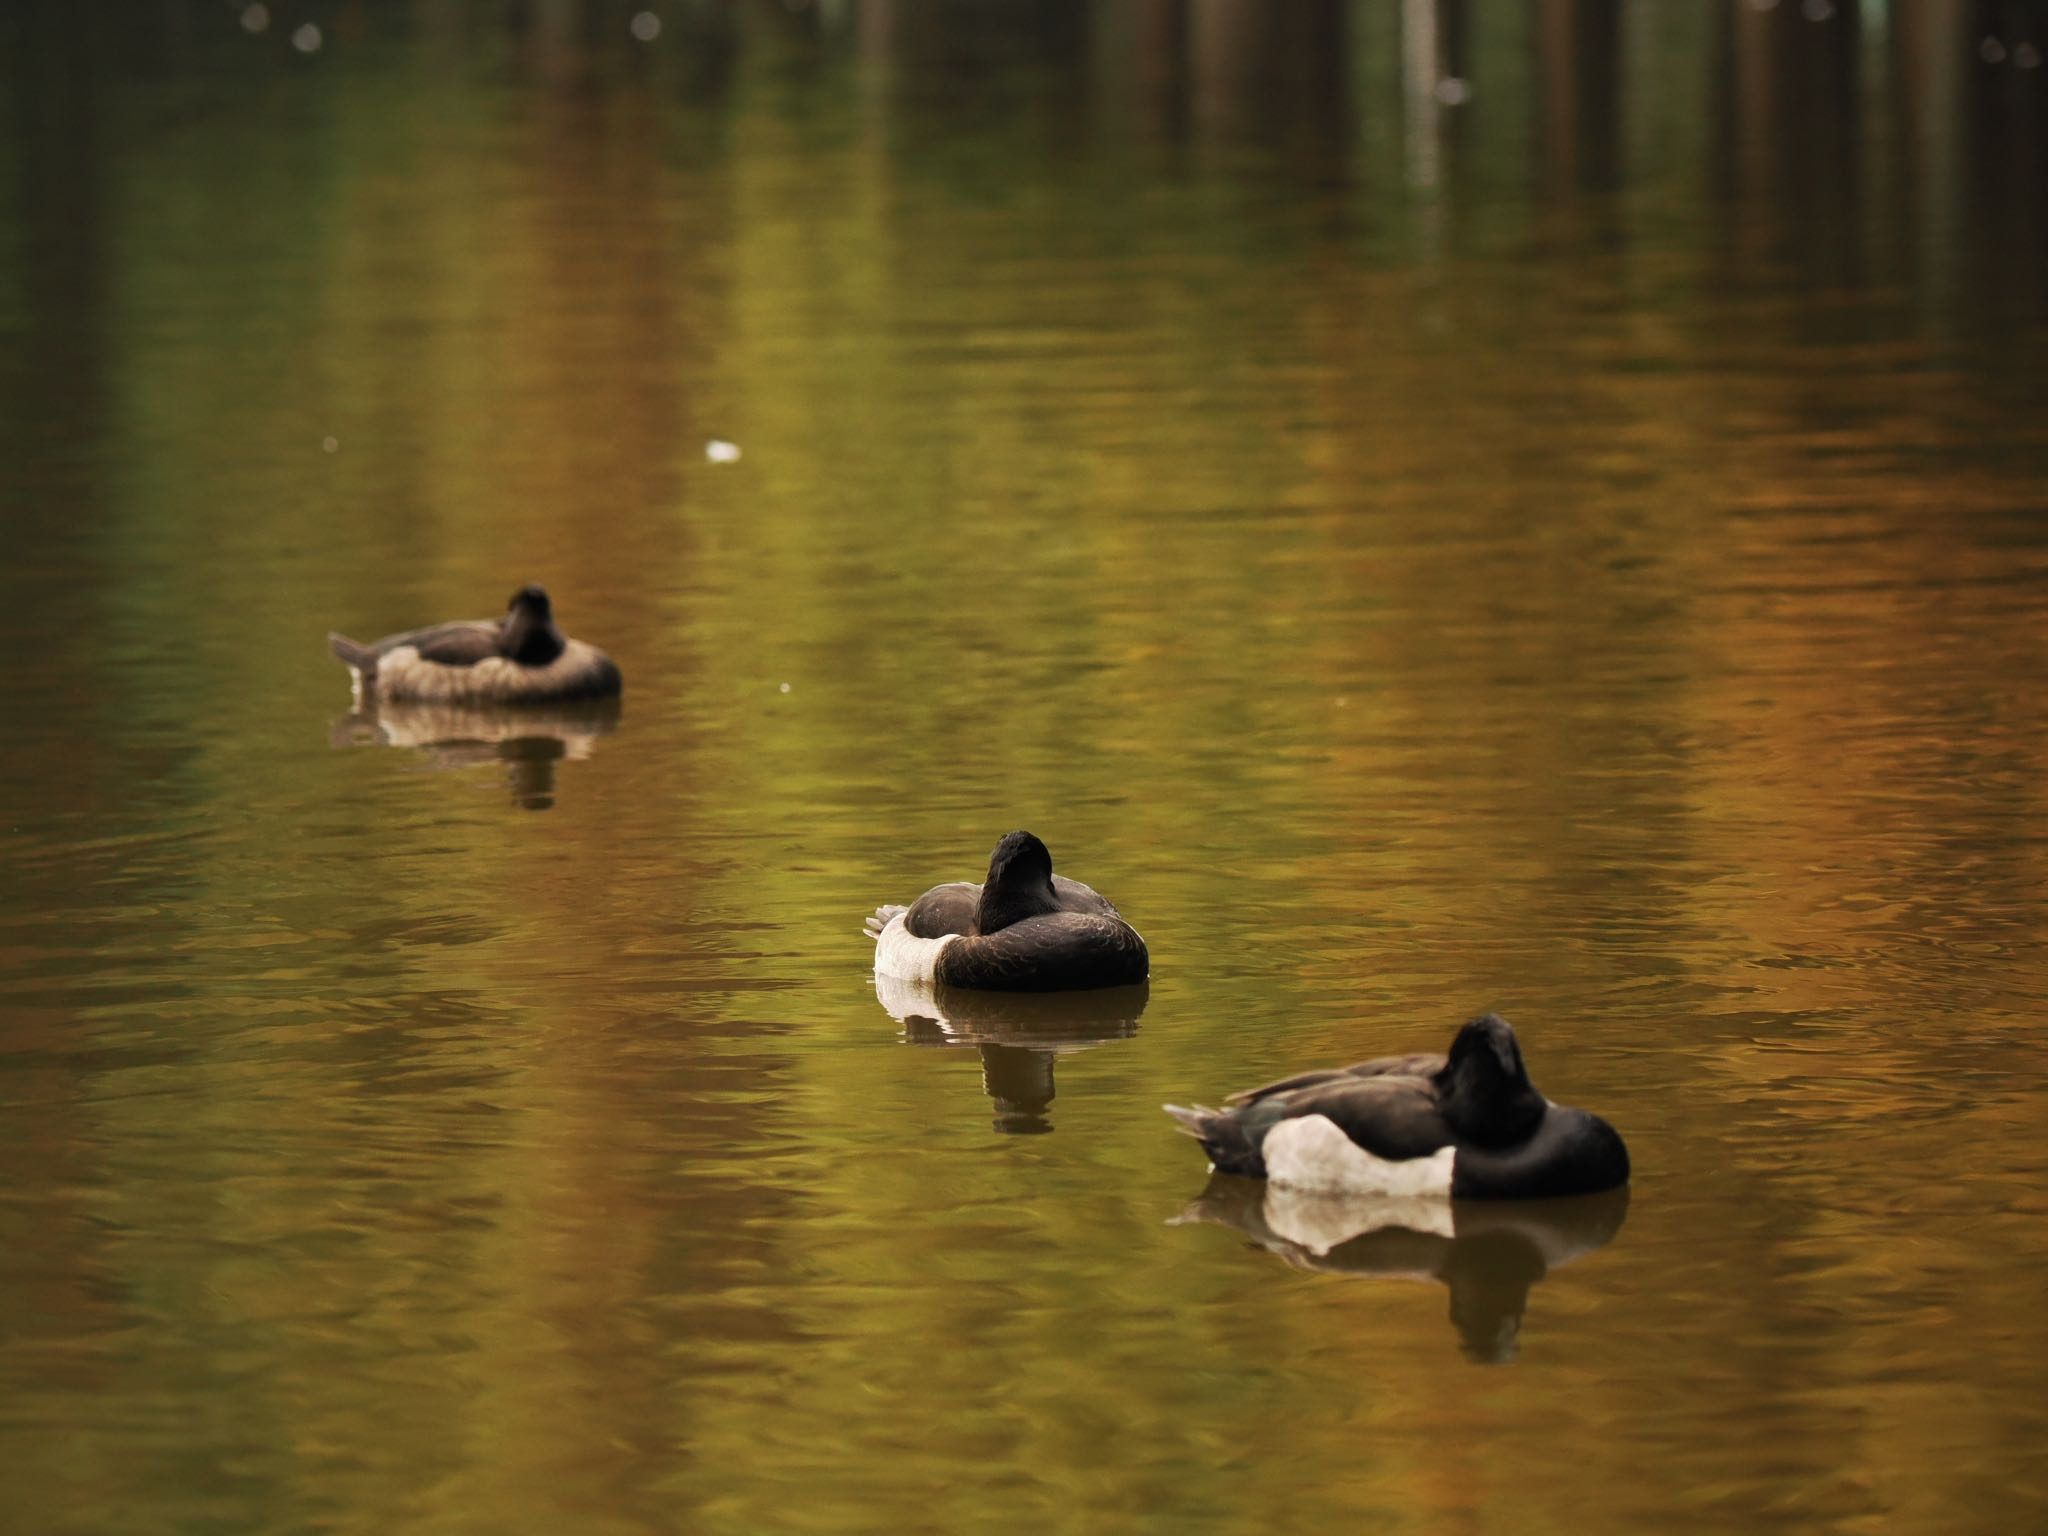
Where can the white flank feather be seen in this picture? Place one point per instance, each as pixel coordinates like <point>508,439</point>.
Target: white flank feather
<point>1309,1152</point>
<point>900,953</point>
<point>402,673</point>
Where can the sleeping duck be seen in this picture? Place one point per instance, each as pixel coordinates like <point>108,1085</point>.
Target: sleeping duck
<point>1025,929</point>
<point>521,659</point>
<point>1469,1125</point>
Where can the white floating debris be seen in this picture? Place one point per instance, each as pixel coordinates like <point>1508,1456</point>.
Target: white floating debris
<point>1453,92</point>
<point>1991,51</point>
<point>330,445</point>
<point>307,39</point>
<point>784,688</point>
<point>646,26</point>
<point>255,18</point>
<point>718,451</point>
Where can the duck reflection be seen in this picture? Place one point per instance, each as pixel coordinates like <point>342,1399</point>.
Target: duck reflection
<point>1019,1035</point>
<point>528,739</point>
<point>1488,1253</point>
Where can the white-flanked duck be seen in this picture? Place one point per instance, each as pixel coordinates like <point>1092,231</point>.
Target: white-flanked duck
<point>520,659</point>
<point>1024,929</point>
<point>1466,1126</point>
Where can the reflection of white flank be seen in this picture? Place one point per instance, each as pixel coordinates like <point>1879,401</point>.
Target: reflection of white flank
<point>905,998</point>
<point>1309,1152</point>
<point>431,725</point>
<point>902,954</point>
<point>1320,1221</point>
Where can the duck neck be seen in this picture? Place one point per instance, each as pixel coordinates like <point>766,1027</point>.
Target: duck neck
<point>529,639</point>
<point>1486,1106</point>
<point>1005,902</point>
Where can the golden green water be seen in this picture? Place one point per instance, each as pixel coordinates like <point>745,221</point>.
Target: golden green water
<point>1582,552</point>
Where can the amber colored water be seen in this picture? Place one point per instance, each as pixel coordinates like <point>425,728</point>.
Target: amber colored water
<point>1581,551</point>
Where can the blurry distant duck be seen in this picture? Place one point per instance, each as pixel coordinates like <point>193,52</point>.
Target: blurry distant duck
<point>1469,1125</point>
<point>1023,930</point>
<point>520,659</point>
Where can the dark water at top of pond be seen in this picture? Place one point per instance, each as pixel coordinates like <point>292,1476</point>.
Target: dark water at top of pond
<point>1431,508</point>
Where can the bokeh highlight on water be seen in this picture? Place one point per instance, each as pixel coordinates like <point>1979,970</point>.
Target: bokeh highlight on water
<point>1430,507</point>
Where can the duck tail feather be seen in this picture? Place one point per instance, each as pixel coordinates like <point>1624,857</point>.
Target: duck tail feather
<point>1230,1147</point>
<point>359,656</point>
<point>1193,1121</point>
<point>879,919</point>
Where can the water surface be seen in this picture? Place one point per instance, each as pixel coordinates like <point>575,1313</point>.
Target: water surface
<point>1577,549</point>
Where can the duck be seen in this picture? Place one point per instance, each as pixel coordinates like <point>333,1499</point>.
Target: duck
<point>1023,929</point>
<point>1467,1125</point>
<point>520,659</point>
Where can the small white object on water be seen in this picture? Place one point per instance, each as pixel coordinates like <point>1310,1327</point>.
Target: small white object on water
<point>1453,92</point>
<point>307,39</point>
<point>718,451</point>
<point>1991,50</point>
<point>646,26</point>
<point>255,18</point>
<point>330,445</point>
<point>785,688</point>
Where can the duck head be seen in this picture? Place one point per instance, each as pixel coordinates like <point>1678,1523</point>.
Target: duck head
<point>1019,884</point>
<point>1484,1088</point>
<point>528,635</point>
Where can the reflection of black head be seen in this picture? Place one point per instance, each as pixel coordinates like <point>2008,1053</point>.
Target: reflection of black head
<point>1489,1276</point>
<point>1019,884</point>
<point>1484,1088</point>
<point>531,769</point>
<point>1020,1082</point>
<point>528,635</point>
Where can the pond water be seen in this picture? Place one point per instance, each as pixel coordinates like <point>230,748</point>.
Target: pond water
<point>1430,508</point>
